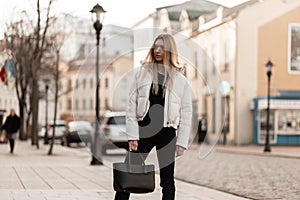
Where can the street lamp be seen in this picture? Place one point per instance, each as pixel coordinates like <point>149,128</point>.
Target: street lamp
<point>269,66</point>
<point>97,18</point>
<point>46,138</point>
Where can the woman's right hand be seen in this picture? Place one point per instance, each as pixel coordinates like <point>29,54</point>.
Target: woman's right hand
<point>133,145</point>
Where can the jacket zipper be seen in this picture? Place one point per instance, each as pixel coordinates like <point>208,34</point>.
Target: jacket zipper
<point>148,105</point>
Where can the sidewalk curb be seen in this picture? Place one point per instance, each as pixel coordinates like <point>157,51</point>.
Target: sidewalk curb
<point>211,188</point>
<point>267,154</point>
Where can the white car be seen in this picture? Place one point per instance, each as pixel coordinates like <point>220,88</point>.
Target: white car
<point>112,131</point>
<point>60,128</point>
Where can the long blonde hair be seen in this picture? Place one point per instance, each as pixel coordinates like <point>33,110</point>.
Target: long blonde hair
<point>170,62</point>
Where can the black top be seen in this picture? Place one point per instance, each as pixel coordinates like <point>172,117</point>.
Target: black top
<point>154,118</point>
<point>12,124</point>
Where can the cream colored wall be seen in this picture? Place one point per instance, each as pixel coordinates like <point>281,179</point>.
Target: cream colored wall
<point>273,43</point>
<point>114,73</point>
<point>214,43</point>
<point>247,61</point>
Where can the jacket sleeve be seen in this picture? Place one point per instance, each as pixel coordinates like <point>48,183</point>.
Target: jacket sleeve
<point>4,125</point>
<point>132,129</point>
<point>184,128</point>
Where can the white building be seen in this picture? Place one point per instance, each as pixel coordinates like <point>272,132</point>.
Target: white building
<point>8,96</point>
<point>81,39</point>
<point>79,103</point>
<point>225,50</point>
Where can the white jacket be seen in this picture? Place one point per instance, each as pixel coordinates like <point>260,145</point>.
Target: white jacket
<point>177,107</point>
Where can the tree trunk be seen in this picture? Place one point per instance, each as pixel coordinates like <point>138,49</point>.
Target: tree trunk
<point>35,107</point>
<point>50,152</point>
<point>23,132</point>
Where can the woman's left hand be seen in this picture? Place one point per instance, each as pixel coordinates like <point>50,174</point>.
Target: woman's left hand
<point>179,150</point>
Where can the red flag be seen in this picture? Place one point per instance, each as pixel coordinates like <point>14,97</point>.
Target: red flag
<point>3,75</point>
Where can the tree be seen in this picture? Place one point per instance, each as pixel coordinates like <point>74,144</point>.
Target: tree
<point>27,43</point>
<point>57,43</point>
<point>18,43</point>
<point>39,48</point>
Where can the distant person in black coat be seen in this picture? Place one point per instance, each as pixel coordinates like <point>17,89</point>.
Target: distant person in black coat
<point>11,127</point>
<point>202,129</point>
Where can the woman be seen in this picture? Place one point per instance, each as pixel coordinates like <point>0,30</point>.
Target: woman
<point>11,127</point>
<point>160,106</point>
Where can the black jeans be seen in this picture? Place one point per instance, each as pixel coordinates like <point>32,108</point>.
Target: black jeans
<point>11,138</point>
<point>165,143</point>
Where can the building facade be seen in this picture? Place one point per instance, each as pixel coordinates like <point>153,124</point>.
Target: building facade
<point>80,80</point>
<point>225,51</point>
<point>8,97</point>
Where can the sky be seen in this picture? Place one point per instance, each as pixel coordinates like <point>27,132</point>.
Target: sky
<point>119,12</point>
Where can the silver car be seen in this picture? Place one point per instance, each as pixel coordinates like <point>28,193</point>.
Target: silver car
<point>77,132</point>
<point>112,130</point>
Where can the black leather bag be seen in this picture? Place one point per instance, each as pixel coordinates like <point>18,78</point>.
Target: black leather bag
<point>133,178</point>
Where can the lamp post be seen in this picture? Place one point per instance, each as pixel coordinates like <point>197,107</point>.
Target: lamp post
<point>46,138</point>
<point>98,12</point>
<point>269,66</point>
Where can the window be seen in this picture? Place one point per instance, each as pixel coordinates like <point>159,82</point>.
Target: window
<point>196,65</point>
<point>106,104</point>
<point>82,50</point>
<point>69,84</point>
<point>91,83</point>
<point>213,58</point>
<point>76,104</point>
<point>83,83</point>
<point>91,104</point>
<point>225,113</point>
<point>294,48</point>
<point>263,126</point>
<point>83,104</point>
<point>106,82</point>
<point>214,116</point>
<point>103,42</point>
<point>77,83</point>
<point>226,57</point>
<point>69,104</point>
<point>288,121</point>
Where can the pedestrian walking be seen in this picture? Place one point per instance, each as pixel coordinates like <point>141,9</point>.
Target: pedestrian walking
<point>11,126</point>
<point>159,112</point>
<point>202,129</point>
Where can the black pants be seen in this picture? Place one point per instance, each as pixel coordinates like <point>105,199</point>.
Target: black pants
<point>201,136</point>
<point>165,143</point>
<point>12,145</point>
<point>11,138</point>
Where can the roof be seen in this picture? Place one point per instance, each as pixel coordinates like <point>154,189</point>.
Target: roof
<point>194,8</point>
<point>88,63</point>
<point>231,11</point>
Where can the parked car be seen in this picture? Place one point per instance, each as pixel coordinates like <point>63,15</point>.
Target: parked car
<point>77,132</point>
<point>60,128</point>
<point>112,131</point>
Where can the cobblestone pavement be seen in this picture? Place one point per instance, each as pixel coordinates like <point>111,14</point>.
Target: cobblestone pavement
<point>251,176</point>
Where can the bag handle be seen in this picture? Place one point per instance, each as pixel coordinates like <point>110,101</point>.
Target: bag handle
<point>130,165</point>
